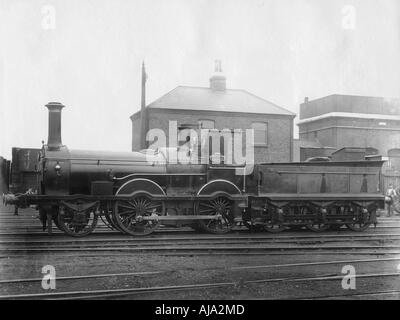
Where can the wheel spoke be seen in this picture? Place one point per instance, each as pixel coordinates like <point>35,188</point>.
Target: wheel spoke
<point>127,212</point>
<point>208,205</point>
<point>122,205</point>
<point>207,210</point>
<point>77,224</point>
<point>142,206</point>
<point>219,206</point>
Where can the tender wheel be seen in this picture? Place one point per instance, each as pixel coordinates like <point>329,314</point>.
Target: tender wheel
<point>272,223</point>
<point>77,219</point>
<point>220,206</point>
<point>316,226</point>
<point>336,227</point>
<point>361,220</point>
<point>339,210</point>
<point>296,227</point>
<point>130,215</point>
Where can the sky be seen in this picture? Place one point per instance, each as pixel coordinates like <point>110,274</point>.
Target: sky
<point>87,54</point>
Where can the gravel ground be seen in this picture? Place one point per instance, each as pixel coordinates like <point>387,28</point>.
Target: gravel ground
<point>201,269</point>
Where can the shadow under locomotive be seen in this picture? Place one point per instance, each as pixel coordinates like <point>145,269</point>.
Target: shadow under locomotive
<point>136,192</point>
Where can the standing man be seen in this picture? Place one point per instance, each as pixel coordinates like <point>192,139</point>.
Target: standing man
<point>392,194</point>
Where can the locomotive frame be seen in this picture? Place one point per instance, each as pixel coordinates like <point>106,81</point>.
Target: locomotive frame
<point>135,196</point>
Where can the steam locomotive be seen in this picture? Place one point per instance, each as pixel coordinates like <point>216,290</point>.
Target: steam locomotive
<point>135,192</point>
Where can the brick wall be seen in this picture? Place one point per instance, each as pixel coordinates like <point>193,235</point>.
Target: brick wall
<point>351,132</point>
<point>280,129</point>
<point>3,175</point>
<point>135,133</point>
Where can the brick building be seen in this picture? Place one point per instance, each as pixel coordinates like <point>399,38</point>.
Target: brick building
<point>216,108</point>
<point>4,174</point>
<point>339,121</point>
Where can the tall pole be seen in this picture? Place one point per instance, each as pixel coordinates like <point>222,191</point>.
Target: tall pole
<point>143,113</point>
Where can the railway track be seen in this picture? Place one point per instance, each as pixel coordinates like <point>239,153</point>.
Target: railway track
<point>206,248</point>
<point>190,243</point>
<point>27,224</point>
<point>395,294</point>
<point>191,236</point>
<point>114,243</point>
<point>118,293</point>
<point>366,250</point>
<point>251,267</point>
<point>27,240</point>
<point>239,242</point>
<point>37,229</point>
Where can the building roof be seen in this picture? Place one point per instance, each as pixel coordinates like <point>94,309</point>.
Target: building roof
<point>351,115</point>
<point>339,103</point>
<point>312,144</point>
<point>206,99</point>
<point>367,150</point>
<point>303,143</point>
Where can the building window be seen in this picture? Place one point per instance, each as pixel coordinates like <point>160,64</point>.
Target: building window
<point>206,124</point>
<point>260,133</point>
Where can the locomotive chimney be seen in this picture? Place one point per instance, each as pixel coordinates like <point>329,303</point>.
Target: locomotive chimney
<point>54,139</point>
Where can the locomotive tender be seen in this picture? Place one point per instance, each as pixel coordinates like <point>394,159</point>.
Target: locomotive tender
<point>135,192</point>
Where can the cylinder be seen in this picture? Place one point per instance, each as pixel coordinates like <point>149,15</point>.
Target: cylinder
<point>54,138</point>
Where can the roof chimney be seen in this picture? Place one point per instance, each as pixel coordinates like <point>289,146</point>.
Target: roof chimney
<point>218,80</point>
<point>305,99</point>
